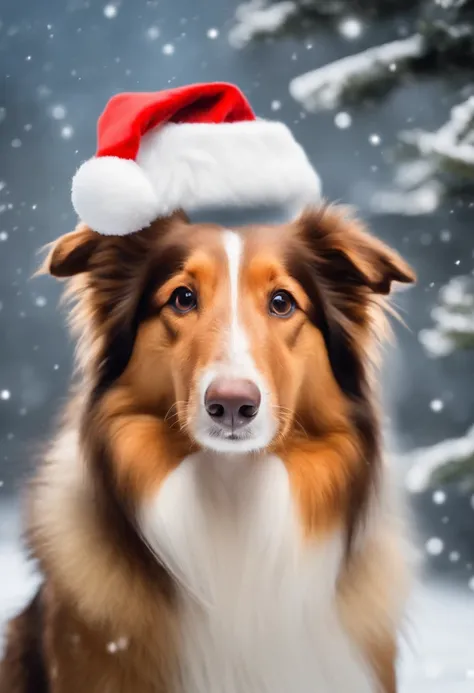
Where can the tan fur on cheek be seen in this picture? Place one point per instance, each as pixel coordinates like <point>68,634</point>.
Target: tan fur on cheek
<point>143,448</point>
<point>320,473</point>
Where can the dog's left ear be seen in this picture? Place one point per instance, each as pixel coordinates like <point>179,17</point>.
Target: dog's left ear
<point>347,255</point>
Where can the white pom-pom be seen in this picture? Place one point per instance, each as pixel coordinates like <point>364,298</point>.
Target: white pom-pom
<point>114,196</point>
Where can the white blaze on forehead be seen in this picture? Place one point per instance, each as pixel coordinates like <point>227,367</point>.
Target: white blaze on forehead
<point>238,345</point>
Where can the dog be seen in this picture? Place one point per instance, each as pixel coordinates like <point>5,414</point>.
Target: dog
<point>213,515</point>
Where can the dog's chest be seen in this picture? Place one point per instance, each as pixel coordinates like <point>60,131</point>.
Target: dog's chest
<point>257,608</point>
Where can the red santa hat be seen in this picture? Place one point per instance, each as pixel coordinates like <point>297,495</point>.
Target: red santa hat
<point>191,148</point>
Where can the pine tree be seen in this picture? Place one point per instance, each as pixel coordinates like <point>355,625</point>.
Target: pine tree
<point>437,37</point>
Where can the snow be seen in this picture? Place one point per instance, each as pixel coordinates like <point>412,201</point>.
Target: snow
<point>420,201</point>
<point>452,142</point>
<point>110,11</point>
<point>5,395</point>
<point>256,18</point>
<point>212,33</point>
<point>424,462</point>
<point>453,318</point>
<point>434,546</point>
<point>153,33</point>
<point>58,112</point>
<point>350,28</point>
<point>342,120</point>
<point>168,49</point>
<point>326,87</point>
<point>67,132</point>
<point>439,497</point>
<point>436,405</point>
<point>375,140</point>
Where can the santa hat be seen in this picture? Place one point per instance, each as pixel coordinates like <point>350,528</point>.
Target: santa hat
<point>190,148</point>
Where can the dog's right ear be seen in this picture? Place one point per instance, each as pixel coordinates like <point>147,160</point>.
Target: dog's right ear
<point>71,254</point>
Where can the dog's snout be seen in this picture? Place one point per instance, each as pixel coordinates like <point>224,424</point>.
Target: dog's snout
<point>232,402</point>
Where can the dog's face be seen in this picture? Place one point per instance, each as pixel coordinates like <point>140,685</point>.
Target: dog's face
<point>237,338</point>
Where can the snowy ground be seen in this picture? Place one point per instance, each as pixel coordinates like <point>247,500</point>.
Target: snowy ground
<point>438,657</point>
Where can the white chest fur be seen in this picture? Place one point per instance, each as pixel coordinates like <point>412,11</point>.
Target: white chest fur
<point>257,606</point>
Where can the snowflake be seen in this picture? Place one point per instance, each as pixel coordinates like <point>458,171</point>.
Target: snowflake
<point>16,143</point>
<point>342,120</point>
<point>375,140</point>
<point>5,395</point>
<point>445,236</point>
<point>276,105</point>
<point>434,546</point>
<point>350,28</point>
<point>3,236</point>
<point>110,11</point>
<point>439,497</point>
<point>40,301</point>
<point>58,112</point>
<point>454,556</point>
<point>153,33</point>
<point>436,405</point>
<point>471,584</point>
<point>212,33</point>
<point>67,132</point>
<point>168,49</point>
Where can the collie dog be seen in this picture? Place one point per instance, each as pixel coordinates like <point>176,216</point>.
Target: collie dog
<point>212,516</point>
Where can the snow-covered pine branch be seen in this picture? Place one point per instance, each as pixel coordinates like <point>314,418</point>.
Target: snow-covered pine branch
<point>256,19</point>
<point>348,78</point>
<point>453,319</point>
<point>452,145</point>
<point>419,184</point>
<point>451,460</point>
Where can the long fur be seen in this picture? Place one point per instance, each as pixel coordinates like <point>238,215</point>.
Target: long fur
<point>168,568</point>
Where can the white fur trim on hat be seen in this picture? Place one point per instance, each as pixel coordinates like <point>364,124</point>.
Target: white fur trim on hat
<point>195,166</point>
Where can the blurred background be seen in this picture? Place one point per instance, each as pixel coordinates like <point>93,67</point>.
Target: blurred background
<point>381,95</point>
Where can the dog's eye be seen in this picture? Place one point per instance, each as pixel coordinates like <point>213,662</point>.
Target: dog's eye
<point>183,299</point>
<point>282,304</point>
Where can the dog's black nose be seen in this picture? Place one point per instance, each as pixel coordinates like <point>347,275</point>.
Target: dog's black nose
<point>232,402</point>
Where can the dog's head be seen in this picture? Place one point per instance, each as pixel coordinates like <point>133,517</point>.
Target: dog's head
<point>236,338</point>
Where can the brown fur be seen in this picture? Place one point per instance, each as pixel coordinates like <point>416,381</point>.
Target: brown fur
<point>129,428</point>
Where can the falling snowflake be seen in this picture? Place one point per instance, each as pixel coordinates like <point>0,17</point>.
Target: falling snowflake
<point>439,497</point>
<point>67,132</point>
<point>350,28</point>
<point>16,143</point>
<point>276,105</point>
<point>168,49</point>
<point>110,11</point>
<point>3,236</point>
<point>471,584</point>
<point>445,236</point>
<point>153,33</point>
<point>212,33</point>
<point>454,556</point>
<point>5,395</point>
<point>40,301</point>
<point>58,112</point>
<point>375,140</point>
<point>342,120</point>
<point>436,405</point>
<point>434,546</point>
